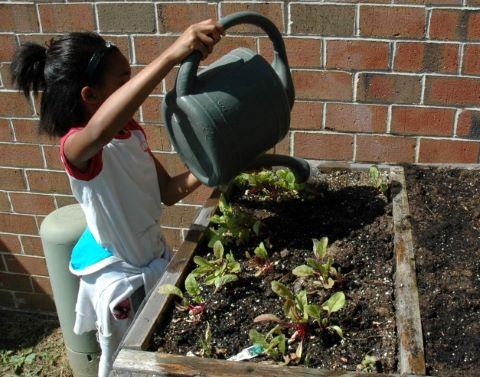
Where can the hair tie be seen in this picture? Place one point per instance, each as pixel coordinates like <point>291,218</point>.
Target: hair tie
<point>96,59</point>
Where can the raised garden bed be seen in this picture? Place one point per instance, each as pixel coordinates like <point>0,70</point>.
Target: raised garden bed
<point>445,209</point>
<point>369,239</point>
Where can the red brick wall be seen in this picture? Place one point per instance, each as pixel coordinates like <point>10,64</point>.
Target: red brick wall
<point>376,81</point>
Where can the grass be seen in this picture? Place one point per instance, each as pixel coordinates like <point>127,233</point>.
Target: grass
<point>31,345</point>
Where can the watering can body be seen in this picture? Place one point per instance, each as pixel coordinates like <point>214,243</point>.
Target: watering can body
<point>224,119</point>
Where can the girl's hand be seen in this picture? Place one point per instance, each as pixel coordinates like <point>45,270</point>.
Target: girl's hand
<point>201,36</point>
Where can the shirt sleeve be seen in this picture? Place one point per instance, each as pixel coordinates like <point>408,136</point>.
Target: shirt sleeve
<point>95,164</point>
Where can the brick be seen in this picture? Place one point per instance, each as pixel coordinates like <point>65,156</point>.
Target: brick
<point>170,79</point>
<point>35,302</point>
<point>12,179</point>
<point>473,3</point>
<point>322,85</point>
<point>14,104</point>
<point>227,44</point>
<point>392,22</point>
<point>301,52</point>
<point>283,146</point>
<point>48,182</point>
<point>23,224</point>
<point>422,121</point>
<point>10,243</point>
<point>121,42</point>
<point>176,17</point>
<point>66,17</point>
<point>42,285</point>
<point>5,73</point>
<point>455,24</point>
<point>157,137</point>
<point>32,245</point>
<point>21,155</point>
<point>15,282</point>
<point>24,264</point>
<point>469,124</point>
<point>322,19</point>
<point>307,115</point>
<point>63,201</point>
<point>391,149</point>
<point>179,216</point>
<point>6,133</point>
<point>323,146</point>
<point>32,203</point>
<point>20,18</point>
<point>429,2</point>
<point>273,11</point>
<point>148,48</point>
<point>357,55</point>
<point>6,299</point>
<point>471,60</point>
<point>52,156</point>
<point>9,44</point>
<point>426,57</point>
<point>356,118</point>
<point>448,151</point>
<point>133,17</point>
<point>452,91</point>
<point>151,109</point>
<point>199,196</point>
<point>385,88</point>
<point>171,162</point>
<point>173,237</point>
<point>4,202</point>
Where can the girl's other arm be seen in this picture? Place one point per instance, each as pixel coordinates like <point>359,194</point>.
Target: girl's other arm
<point>173,189</point>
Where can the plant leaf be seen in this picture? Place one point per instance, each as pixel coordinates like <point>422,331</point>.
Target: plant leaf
<point>256,227</point>
<point>320,247</point>
<point>337,329</point>
<point>218,250</point>
<point>299,350</point>
<point>200,261</point>
<point>170,289</point>
<point>303,271</point>
<point>220,281</point>
<point>301,299</point>
<point>260,251</point>
<point>313,311</point>
<point>267,317</point>
<point>257,338</point>
<point>334,303</point>
<point>281,290</point>
<point>191,285</point>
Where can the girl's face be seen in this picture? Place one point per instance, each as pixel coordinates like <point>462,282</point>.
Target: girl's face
<point>118,72</point>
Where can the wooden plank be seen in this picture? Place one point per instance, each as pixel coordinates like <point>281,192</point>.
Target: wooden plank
<point>326,166</point>
<point>146,321</point>
<point>411,357</point>
<point>130,363</point>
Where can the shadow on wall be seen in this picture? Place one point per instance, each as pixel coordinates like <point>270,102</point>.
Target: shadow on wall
<point>24,282</point>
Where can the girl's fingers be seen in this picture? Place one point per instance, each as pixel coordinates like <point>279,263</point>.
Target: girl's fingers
<point>202,48</point>
<point>206,40</point>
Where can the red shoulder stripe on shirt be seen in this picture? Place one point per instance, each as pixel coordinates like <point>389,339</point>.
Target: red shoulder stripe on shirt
<point>95,164</point>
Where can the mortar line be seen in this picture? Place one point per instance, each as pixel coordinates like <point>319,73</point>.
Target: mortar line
<point>97,22</point>
<point>422,93</point>
<point>40,26</point>
<point>324,116</point>
<point>461,54</point>
<point>455,122</point>
<point>389,119</point>
<point>417,149</point>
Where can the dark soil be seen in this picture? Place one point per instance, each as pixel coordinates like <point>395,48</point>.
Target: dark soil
<point>357,219</point>
<point>445,209</point>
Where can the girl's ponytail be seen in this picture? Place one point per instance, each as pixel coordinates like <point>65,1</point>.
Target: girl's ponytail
<point>27,67</point>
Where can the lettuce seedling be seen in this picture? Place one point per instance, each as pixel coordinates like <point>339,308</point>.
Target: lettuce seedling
<point>377,180</point>
<point>219,271</point>
<point>319,267</point>
<point>195,306</point>
<point>232,223</point>
<point>261,260</point>
<point>368,364</point>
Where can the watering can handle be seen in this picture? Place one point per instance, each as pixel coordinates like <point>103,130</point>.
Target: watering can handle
<point>188,70</point>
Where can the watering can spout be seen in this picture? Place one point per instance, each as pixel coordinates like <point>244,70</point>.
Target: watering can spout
<point>300,167</point>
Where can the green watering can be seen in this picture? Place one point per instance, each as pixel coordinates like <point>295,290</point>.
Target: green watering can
<point>223,120</point>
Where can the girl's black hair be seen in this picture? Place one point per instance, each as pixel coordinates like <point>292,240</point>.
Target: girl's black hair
<point>58,69</point>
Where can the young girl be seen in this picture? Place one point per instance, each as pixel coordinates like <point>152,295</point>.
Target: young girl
<point>88,100</point>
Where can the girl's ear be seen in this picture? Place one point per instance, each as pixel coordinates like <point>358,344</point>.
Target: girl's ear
<point>89,95</point>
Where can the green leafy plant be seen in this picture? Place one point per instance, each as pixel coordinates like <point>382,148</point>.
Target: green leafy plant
<point>18,361</point>
<point>377,180</point>
<point>218,271</point>
<point>368,364</point>
<point>196,305</point>
<point>232,224</point>
<point>261,260</point>
<point>320,268</point>
<point>265,184</point>
<point>297,308</point>
<point>274,343</point>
